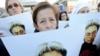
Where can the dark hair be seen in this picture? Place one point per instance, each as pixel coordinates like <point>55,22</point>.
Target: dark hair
<point>61,14</point>
<point>98,6</point>
<point>14,25</point>
<point>41,6</point>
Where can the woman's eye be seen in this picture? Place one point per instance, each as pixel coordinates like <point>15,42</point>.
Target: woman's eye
<point>21,31</point>
<point>42,21</point>
<point>87,11</point>
<point>82,12</point>
<point>51,19</point>
<point>87,34</point>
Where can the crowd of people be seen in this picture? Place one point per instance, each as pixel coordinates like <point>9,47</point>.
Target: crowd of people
<point>51,13</point>
<point>46,17</point>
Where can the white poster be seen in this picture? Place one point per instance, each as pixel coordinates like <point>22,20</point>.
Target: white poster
<point>79,19</point>
<point>70,39</point>
<point>63,24</point>
<point>27,45</point>
<point>16,25</point>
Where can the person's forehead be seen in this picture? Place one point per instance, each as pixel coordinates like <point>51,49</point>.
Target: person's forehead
<point>52,53</point>
<point>84,8</point>
<point>63,13</point>
<point>12,1</point>
<point>45,12</point>
<point>46,9</point>
<point>91,28</point>
<point>17,27</point>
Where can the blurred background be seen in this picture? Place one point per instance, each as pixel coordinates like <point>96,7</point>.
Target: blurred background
<point>63,4</point>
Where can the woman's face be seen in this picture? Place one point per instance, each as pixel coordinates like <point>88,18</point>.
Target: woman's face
<point>14,7</point>
<point>83,10</point>
<point>52,53</point>
<point>18,30</point>
<point>90,34</point>
<point>46,20</point>
<point>63,16</point>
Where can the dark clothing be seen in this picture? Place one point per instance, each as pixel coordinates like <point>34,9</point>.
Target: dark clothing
<point>87,49</point>
<point>36,30</point>
<point>97,52</point>
<point>3,50</point>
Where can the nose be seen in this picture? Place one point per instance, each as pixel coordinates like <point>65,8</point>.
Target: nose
<point>13,7</point>
<point>48,25</point>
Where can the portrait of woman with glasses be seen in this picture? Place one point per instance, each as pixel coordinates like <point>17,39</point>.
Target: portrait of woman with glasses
<point>13,7</point>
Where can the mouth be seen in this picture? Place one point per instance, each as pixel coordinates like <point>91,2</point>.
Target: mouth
<point>90,40</point>
<point>15,11</point>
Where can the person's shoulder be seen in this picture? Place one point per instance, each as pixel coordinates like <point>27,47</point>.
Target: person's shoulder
<point>89,45</point>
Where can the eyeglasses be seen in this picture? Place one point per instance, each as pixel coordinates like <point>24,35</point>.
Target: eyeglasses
<point>11,6</point>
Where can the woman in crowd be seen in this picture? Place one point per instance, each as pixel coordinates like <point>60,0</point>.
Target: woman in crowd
<point>13,7</point>
<point>45,17</point>
<point>63,16</point>
<point>82,8</point>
